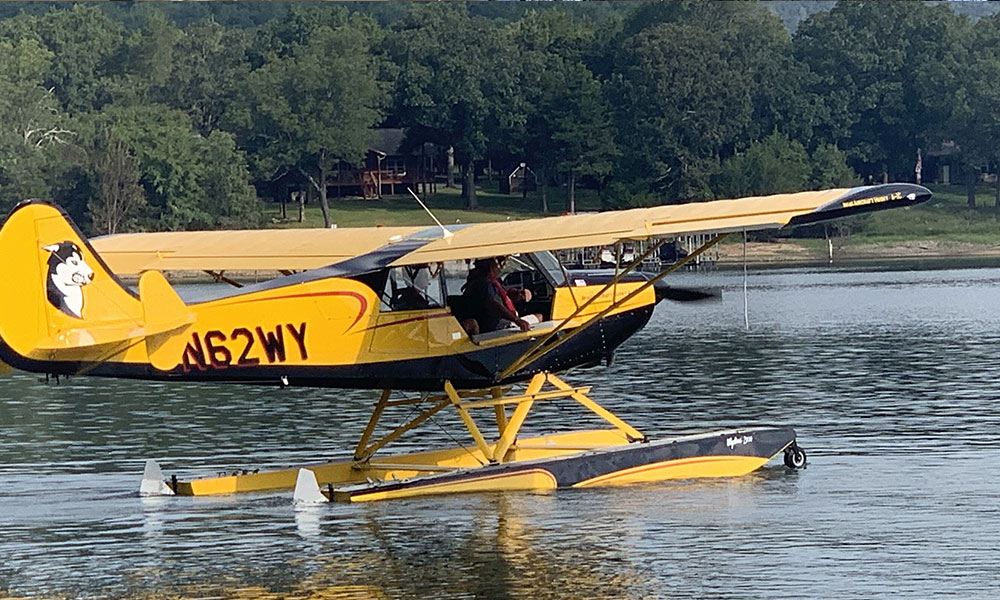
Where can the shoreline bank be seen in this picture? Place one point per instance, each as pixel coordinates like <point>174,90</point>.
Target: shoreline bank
<point>782,252</point>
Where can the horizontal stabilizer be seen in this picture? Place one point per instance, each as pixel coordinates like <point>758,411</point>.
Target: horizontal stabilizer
<point>307,489</point>
<point>90,336</point>
<point>152,481</point>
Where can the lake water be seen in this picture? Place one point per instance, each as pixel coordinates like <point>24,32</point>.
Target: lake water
<point>891,378</point>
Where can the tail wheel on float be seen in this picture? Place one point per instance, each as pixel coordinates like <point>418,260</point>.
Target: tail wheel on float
<point>795,457</point>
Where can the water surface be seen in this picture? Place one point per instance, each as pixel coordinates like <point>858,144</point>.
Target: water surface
<point>890,377</point>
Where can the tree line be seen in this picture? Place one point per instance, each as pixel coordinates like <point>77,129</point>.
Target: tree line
<point>155,122</point>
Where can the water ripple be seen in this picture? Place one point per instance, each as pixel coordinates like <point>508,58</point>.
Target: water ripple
<point>890,378</point>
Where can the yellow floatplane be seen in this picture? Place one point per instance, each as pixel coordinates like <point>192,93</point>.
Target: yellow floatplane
<point>370,308</point>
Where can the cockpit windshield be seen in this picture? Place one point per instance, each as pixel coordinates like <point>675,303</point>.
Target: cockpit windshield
<point>548,265</point>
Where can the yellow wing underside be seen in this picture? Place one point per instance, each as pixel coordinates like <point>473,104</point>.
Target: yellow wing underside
<point>302,249</point>
<point>261,249</point>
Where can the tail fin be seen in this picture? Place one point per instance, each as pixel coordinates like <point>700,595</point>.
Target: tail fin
<point>58,299</point>
<point>164,313</point>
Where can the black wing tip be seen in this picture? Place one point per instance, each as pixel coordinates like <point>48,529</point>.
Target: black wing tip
<point>867,199</point>
<point>912,191</point>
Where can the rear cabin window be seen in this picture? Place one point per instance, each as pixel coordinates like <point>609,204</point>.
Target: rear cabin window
<point>416,287</point>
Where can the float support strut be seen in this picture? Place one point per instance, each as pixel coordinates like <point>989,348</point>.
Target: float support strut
<point>361,455</point>
<point>507,427</point>
<point>520,413</point>
<point>372,422</point>
<point>597,409</point>
<point>456,401</point>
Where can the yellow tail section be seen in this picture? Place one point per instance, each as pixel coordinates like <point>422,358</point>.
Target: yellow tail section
<point>165,314</point>
<point>58,300</point>
<point>163,310</point>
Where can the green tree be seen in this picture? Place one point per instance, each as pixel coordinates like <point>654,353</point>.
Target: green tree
<point>120,198</point>
<point>985,58</point>
<point>279,38</point>
<point>691,85</point>
<point>456,81</point>
<point>550,49</point>
<point>759,46</point>
<point>829,169</point>
<point>190,181</point>
<point>774,165</point>
<point>882,72</point>
<point>34,131</point>
<point>972,101</point>
<point>83,41</point>
<point>572,132</point>
<point>139,70</point>
<point>678,104</point>
<point>313,107</point>
<point>209,70</point>
<point>224,183</point>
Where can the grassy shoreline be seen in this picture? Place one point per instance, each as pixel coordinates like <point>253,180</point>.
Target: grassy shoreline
<point>818,251</point>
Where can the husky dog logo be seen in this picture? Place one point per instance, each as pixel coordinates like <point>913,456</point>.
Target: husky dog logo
<point>67,275</point>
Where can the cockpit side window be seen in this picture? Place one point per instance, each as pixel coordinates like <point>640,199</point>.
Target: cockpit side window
<point>414,287</point>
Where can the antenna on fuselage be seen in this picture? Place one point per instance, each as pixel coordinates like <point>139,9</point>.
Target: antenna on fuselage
<point>446,233</point>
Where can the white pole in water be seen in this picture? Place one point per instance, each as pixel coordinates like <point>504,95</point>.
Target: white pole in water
<point>746,302</point>
<point>830,244</point>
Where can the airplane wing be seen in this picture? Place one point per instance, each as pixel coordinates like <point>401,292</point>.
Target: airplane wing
<point>720,216</point>
<point>250,250</point>
<point>301,249</point>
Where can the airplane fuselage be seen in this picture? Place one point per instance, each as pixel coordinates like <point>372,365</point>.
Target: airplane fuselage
<point>313,328</point>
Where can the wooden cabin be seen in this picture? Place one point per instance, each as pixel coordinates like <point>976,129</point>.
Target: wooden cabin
<point>391,165</point>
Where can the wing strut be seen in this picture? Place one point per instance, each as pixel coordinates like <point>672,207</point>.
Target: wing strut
<point>539,348</point>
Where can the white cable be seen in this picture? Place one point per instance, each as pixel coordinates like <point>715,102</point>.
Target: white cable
<point>746,302</point>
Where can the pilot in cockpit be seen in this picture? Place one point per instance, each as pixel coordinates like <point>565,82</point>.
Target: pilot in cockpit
<point>491,304</point>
